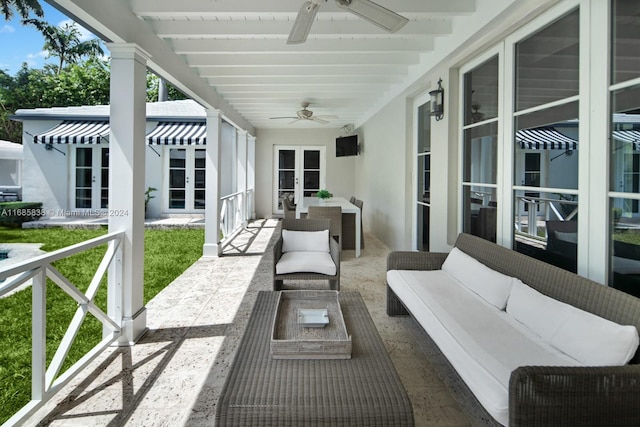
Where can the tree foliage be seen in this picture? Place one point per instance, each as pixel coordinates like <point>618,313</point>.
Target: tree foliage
<point>23,7</point>
<point>64,42</point>
<point>85,83</point>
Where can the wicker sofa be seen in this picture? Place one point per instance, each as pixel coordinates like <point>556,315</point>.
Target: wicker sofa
<point>537,395</point>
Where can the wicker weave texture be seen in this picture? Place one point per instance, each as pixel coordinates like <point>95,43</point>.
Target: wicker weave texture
<point>363,391</point>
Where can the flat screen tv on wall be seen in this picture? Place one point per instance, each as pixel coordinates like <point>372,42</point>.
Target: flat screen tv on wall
<point>347,146</point>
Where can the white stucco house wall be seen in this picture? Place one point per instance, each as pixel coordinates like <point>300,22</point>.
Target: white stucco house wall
<point>66,152</point>
<point>10,170</point>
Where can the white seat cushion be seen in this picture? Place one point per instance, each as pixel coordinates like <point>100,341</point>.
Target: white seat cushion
<point>306,262</point>
<point>305,241</point>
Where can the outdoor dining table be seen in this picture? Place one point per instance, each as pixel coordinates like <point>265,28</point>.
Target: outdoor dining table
<point>347,207</point>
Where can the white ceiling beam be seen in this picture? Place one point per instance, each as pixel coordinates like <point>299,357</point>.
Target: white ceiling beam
<point>301,70</point>
<point>213,8</point>
<point>311,45</point>
<point>302,79</point>
<point>179,29</point>
<point>293,96</point>
<point>308,59</point>
<point>309,86</point>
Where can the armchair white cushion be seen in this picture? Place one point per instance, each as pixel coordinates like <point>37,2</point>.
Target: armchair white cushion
<point>306,261</point>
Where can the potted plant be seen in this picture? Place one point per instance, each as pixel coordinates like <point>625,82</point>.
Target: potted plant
<point>324,195</point>
<point>147,198</point>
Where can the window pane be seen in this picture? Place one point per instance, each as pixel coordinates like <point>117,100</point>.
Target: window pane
<point>199,199</point>
<point>423,228</point>
<point>424,128</point>
<point>481,92</point>
<point>546,227</point>
<point>480,154</point>
<point>286,180</point>
<point>312,159</point>
<point>626,36</point>
<point>200,159</point>
<point>424,178</point>
<point>546,152</point>
<point>479,210</point>
<point>177,199</point>
<point>177,158</point>
<point>625,140</point>
<point>286,159</point>
<point>177,178</point>
<point>83,198</point>
<point>84,157</point>
<point>83,178</point>
<point>311,180</point>
<point>625,246</point>
<point>547,64</point>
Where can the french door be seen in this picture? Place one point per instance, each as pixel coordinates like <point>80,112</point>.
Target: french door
<point>184,189</point>
<point>422,119</point>
<point>299,171</point>
<point>90,178</point>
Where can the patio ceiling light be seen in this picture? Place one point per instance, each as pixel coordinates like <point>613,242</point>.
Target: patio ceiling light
<point>437,101</point>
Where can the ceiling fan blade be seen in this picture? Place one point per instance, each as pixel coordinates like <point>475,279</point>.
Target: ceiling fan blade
<point>296,120</point>
<point>374,13</point>
<point>302,25</point>
<point>272,118</point>
<point>315,119</point>
<point>330,117</point>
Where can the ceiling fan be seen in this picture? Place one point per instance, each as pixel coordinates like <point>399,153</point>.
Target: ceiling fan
<point>305,114</point>
<point>366,9</point>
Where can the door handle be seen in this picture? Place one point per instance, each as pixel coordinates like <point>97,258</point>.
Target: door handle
<point>296,181</point>
<point>93,179</point>
<point>187,180</point>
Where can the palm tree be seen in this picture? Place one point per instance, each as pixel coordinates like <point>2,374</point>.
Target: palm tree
<point>23,7</point>
<point>64,42</point>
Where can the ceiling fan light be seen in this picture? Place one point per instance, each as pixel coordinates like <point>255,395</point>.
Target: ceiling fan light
<point>374,13</point>
<point>302,25</point>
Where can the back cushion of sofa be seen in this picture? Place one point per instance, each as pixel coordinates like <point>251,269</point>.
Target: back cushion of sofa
<point>492,286</point>
<point>590,339</point>
<point>305,241</point>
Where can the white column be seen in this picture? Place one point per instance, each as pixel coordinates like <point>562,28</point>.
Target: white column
<point>126,187</point>
<point>212,210</point>
<point>242,173</point>
<point>251,175</point>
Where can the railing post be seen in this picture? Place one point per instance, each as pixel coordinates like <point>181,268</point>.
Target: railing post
<point>39,334</point>
<point>114,292</point>
<point>212,210</point>
<point>251,174</point>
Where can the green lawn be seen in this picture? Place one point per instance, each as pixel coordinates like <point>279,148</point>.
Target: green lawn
<point>167,254</point>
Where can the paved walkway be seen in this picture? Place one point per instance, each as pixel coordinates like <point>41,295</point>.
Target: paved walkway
<point>174,375</point>
<point>87,221</point>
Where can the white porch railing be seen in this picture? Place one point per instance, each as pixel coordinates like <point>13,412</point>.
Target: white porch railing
<point>532,208</point>
<point>250,203</point>
<point>45,380</point>
<point>232,213</point>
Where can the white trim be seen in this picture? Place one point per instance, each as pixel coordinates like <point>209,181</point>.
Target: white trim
<point>418,102</point>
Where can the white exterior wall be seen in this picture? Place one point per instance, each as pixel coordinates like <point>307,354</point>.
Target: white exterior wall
<point>340,177</point>
<point>45,175</point>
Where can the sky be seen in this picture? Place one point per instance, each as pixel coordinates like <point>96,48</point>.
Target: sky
<point>20,43</point>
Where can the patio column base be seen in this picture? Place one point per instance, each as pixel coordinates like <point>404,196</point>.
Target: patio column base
<point>211,250</point>
<point>133,328</point>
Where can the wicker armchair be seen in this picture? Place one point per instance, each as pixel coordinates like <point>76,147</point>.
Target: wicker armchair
<point>332,213</point>
<point>306,225</point>
<point>359,204</point>
<point>288,208</point>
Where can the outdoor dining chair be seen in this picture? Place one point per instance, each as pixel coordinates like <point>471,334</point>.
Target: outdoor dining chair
<point>333,213</point>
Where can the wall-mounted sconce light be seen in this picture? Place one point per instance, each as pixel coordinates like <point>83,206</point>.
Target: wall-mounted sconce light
<point>437,101</point>
<point>49,146</point>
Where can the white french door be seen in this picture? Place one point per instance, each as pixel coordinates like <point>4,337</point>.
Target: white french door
<point>184,188</point>
<point>90,177</point>
<point>299,171</point>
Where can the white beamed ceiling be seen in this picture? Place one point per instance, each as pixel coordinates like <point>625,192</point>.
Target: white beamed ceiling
<point>238,48</point>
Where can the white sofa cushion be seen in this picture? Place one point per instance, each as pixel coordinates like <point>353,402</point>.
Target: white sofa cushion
<point>306,261</point>
<point>305,241</point>
<point>483,343</point>
<point>588,338</point>
<point>492,286</point>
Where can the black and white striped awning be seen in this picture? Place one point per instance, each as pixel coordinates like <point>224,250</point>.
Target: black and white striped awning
<point>178,133</point>
<point>75,132</point>
<point>545,139</point>
<point>631,136</point>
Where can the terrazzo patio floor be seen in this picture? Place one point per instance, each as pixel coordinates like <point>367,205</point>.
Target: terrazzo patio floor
<point>174,375</point>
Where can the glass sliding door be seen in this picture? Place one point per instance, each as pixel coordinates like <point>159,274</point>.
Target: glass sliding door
<point>90,180</point>
<point>186,179</point>
<point>299,171</point>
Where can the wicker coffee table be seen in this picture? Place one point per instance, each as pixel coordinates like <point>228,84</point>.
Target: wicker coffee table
<point>362,391</point>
